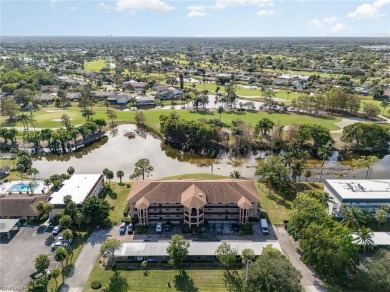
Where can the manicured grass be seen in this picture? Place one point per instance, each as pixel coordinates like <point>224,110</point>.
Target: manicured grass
<point>45,119</point>
<point>95,66</point>
<point>116,195</point>
<point>196,176</point>
<point>152,118</point>
<point>13,174</point>
<point>277,207</point>
<point>156,280</point>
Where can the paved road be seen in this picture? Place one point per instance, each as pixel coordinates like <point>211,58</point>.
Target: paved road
<point>86,260</point>
<point>310,282</point>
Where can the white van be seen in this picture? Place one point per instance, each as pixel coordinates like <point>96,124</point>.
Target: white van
<point>264,226</point>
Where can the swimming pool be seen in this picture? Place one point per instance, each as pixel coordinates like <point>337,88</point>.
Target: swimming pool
<point>23,187</point>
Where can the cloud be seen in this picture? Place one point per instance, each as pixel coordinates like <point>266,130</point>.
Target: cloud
<point>265,12</point>
<point>72,8</point>
<point>338,27</point>
<point>369,10</point>
<point>134,5</point>
<point>221,4</point>
<point>323,21</point>
<point>196,11</point>
<point>105,7</point>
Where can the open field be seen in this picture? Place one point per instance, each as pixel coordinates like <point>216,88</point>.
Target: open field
<point>45,119</point>
<point>156,280</point>
<point>116,195</point>
<point>95,66</point>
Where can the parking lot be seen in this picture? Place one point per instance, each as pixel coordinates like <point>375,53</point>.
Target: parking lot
<point>213,232</point>
<point>19,252</point>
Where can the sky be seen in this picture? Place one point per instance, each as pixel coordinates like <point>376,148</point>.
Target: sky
<point>207,18</point>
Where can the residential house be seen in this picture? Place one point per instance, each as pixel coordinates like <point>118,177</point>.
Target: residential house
<point>119,98</point>
<point>136,86</point>
<point>145,100</point>
<point>20,206</point>
<point>50,88</point>
<point>193,202</point>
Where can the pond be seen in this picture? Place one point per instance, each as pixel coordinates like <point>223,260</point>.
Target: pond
<point>117,152</point>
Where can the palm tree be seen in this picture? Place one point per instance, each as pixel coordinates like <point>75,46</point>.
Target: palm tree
<point>297,169</point>
<point>24,119</point>
<point>385,103</point>
<point>307,173</point>
<point>235,174</point>
<point>60,255</point>
<point>364,238</point>
<point>354,217</point>
<point>381,216</point>
<point>326,199</point>
<point>220,110</point>
<point>324,152</point>
<point>120,174</point>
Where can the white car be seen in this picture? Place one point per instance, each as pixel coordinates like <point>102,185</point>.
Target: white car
<point>159,227</point>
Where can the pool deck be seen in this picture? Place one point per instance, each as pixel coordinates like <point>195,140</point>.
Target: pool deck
<point>38,190</point>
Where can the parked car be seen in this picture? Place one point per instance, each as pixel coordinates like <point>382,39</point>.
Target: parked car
<point>159,227</point>
<point>61,239</point>
<point>264,226</point>
<point>56,230</point>
<point>122,228</point>
<point>57,244</point>
<point>130,228</point>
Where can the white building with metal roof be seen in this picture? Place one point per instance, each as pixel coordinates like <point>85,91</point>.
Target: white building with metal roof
<point>367,194</point>
<point>79,186</point>
<point>198,250</point>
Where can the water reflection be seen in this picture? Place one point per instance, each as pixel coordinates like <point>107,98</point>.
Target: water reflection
<point>118,152</point>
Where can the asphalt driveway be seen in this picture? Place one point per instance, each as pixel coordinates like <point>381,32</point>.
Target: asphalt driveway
<point>87,258</point>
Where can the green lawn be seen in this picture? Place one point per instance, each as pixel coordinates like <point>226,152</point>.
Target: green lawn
<point>277,207</point>
<point>45,119</point>
<point>156,280</point>
<point>95,65</point>
<point>116,196</point>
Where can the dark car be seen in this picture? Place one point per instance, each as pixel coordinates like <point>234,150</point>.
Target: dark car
<point>122,228</point>
<point>130,228</point>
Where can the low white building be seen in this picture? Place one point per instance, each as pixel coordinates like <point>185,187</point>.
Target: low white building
<point>367,194</point>
<point>198,251</point>
<point>79,186</point>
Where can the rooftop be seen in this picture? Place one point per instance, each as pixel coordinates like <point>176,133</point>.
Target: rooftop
<point>78,186</point>
<point>360,188</point>
<point>379,238</point>
<point>197,248</point>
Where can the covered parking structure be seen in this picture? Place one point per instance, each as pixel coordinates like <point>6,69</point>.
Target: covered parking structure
<point>6,225</point>
<point>199,251</point>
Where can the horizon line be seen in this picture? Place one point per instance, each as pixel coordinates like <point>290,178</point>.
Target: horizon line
<point>156,36</point>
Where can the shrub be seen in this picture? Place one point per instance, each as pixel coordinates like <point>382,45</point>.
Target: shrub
<point>141,229</point>
<point>128,185</point>
<point>126,210</point>
<point>126,219</point>
<point>246,229</point>
<point>96,285</point>
<point>186,229</point>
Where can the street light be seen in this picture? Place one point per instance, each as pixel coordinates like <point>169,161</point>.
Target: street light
<point>247,270</point>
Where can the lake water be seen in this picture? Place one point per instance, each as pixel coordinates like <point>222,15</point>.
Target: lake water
<point>117,152</point>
